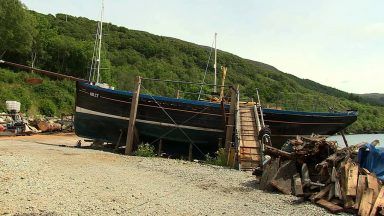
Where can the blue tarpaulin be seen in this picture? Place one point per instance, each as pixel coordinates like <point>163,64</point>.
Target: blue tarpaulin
<point>372,158</point>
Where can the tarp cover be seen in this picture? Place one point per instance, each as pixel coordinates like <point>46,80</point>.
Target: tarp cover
<point>372,158</point>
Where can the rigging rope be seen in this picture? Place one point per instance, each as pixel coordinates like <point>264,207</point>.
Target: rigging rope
<point>91,71</point>
<point>174,122</point>
<point>206,70</point>
<point>170,131</point>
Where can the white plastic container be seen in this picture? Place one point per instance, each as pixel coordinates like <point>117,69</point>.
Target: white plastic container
<point>13,106</point>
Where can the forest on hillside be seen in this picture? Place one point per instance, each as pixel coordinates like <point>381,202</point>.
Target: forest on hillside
<point>373,98</point>
<point>64,44</point>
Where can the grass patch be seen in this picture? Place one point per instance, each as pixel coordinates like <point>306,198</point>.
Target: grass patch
<point>219,160</point>
<point>145,150</point>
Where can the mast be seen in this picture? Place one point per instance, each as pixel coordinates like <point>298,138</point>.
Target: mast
<point>99,42</point>
<point>215,66</point>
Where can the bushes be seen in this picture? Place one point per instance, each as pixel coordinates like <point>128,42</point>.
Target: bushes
<point>145,150</point>
<point>219,160</point>
<point>47,108</point>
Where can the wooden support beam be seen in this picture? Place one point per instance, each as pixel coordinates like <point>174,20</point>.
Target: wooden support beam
<point>297,186</point>
<point>373,184</point>
<point>361,187</point>
<point>238,138</point>
<point>132,116</point>
<point>348,201</point>
<point>231,157</point>
<point>231,121</point>
<point>190,153</point>
<point>159,151</point>
<point>352,177</point>
<point>329,206</point>
<point>366,202</point>
<point>277,152</point>
<point>45,72</point>
<point>118,141</point>
<point>379,202</point>
<point>224,74</point>
<point>344,139</point>
<point>321,194</point>
<point>220,143</point>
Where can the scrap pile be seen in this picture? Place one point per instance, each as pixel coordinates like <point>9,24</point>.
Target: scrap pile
<point>314,169</point>
<point>13,122</point>
<point>52,124</point>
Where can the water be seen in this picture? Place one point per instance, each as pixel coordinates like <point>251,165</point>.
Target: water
<point>358,138</point>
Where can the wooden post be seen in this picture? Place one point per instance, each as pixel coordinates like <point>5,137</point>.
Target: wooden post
<point>231,122</point>
<point>345,139</point>
<point>160,147</point>
<point>132,117</point>
<point>178,94</point>
<point>224,74</point>
<point>220,143</point>
<point>238,141</point>
<point>190,156</point>
<point>62,121</point>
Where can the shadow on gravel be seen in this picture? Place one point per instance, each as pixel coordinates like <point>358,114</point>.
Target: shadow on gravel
<point>110,148</point>
<point>299,201</point>
<point>253,184</point>
<point>43,143</point>
<point>105,148</point>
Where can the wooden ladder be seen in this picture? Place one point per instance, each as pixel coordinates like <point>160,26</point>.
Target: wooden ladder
<point>249,146</point>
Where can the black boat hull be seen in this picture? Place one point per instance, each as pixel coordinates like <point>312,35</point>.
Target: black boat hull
<point>103,114</point>
<point>288,124</point>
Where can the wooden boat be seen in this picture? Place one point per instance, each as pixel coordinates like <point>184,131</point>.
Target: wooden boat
<point>103,114</point>
<point>288,124</point>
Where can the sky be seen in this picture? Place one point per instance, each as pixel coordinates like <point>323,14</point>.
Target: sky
<point>336,43</point>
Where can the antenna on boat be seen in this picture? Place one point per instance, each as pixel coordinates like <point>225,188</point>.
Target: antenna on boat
<point>215,66</point>
<point>100,36</point>
<point>96,58</point>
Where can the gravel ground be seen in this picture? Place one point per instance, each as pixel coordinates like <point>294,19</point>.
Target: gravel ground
<point>38,176</point>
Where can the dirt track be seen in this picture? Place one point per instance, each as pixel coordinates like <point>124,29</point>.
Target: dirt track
<point>41,177</point>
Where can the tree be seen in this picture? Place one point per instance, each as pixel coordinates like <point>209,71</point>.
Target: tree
<point>41,39</point>
<point>16,27</point>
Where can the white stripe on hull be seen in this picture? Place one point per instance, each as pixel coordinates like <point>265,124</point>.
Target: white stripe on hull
<point>91,112</point>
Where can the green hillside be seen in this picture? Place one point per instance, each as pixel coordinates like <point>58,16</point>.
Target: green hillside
<point>49,98</point>
<point>373,98</point>
<point>65,43</point>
